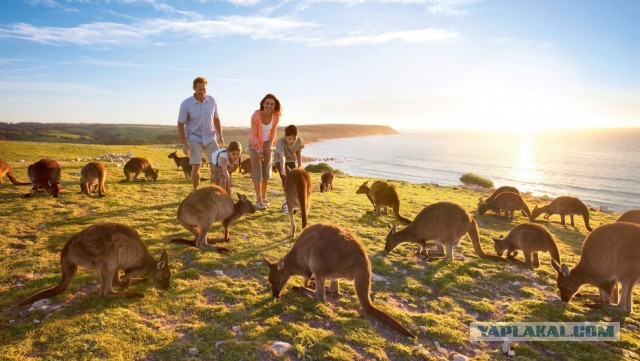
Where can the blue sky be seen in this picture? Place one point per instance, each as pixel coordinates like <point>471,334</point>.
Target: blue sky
<point>505,64</point>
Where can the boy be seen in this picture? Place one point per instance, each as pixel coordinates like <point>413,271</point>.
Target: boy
<point>288,155</point>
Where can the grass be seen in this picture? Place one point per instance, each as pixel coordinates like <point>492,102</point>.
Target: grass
<point>436,300</point>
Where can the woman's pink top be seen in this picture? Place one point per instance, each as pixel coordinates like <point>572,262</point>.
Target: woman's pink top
<point>255,135</point>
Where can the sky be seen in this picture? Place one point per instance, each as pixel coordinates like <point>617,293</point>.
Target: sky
<point>515,65</point>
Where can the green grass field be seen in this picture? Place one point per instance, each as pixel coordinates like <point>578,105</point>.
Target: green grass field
<point>436,300</point>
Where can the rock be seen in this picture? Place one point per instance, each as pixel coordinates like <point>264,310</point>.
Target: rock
<point>517,283</point>
<point>459,357</point>
<point>193,351</point>
<point>506,346</point>
<point>512,353</point>
<point>237,329</point>
<point>36,321</point>
<point>41,226</point>
<point>377,278</point>
<point>258,263</point>
<point>219,272</point>
<point>605,209</point>
<point>438,347</point>
<point>280,347</point>
<point>423,329</point>
<point>245,236</point>
<point>21,160</point>
<point>218,344</point>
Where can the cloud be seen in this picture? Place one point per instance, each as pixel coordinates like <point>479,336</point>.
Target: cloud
<point>435,7</point>
<point>51,87</point>
<point>120,64</point>
<point>410,36</point>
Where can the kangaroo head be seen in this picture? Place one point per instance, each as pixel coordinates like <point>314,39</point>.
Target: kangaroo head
<point>482,208</point>
<point>480,202</point>
<point>566,285</point>
<point>322,187</point>
<point>53,188</point>
<point>392,241</point>
<point>535,212</point>
<point>278,276</point>
<point>154,174</point>
<point>364,188</point>
<point>173,155</point>
<point>500,245</point>
<point>162,272</point>
<point>245,204</point>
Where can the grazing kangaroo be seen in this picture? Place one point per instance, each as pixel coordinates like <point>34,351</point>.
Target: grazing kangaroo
<point>108,248</point>
<point>297,191</point>
<point>610,255</point>
<point>44,175</point>
<point>530,238</point>
<point>564,205</point>
<point>5,169</point>
<point>326,182</point>
<point>632,216</point>
<point>445,223</point>
<point>501,190</point>
<point>507,201</point>
<point>383,194</point>
<point>92,176</point>
<point>206,205</point>
<point>182,162</point>
<point>329,253</point>
<point>136,165</point>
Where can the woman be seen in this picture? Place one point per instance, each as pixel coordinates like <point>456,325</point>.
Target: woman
<point>261,139</point>
<point>223,162</point>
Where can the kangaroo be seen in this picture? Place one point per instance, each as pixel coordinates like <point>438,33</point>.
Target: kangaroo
<point>508,201</point>
<point>92,176</point>
<point>182,162</point>
<point>136,165</point>
<point>632,216</point>
<point>297,190</point>
<point>501,190</point>
<point>610,255</point>
<point>108,248</point>
<point>5,169</point>
<point>329,253</point>
<point>444,222</point>
<point>383,194</point>
<point>530,238</point>
<point>245,166</point>
<point>564,205</point>
<point>44,175</point>
<point>326,182</point>
<point>206,205</point>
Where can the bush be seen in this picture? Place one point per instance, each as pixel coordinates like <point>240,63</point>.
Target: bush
<point>475,179</point>
<point>320,168</point>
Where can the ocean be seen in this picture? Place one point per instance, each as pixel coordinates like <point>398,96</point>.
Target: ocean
<point>601,167</point>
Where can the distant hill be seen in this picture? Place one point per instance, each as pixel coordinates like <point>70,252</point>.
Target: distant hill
<point>162,134</point>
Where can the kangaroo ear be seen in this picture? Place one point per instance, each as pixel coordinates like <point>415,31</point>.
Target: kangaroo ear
<point>501,237</point>
<point>495,240</point>
<point>388,225</point>
<point>164,260</point>
<point>281,264</point>
<point>565,270</point>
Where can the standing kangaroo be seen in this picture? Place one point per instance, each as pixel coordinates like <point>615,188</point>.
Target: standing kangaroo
<point>507,201</point>
<point>564,205</point>
<point>326,182</point>
<point>92,176</point>
<point>632,216</point>
<point>182,162</point>
<point>108,248</point>
<point>44,175</point>
<point>383,194</point>
<point>445,223</point>
<point>136,165</point>
<point>206,205</point>
<point>297,191</point>
<point>610,255</point>
<point>530,238</point>
<point>329,253</point>
<point>5,169</point>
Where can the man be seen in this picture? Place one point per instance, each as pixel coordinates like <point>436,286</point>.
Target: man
<point>199,115</point>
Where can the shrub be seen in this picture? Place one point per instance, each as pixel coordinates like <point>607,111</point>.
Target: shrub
<point>320,168</point>
<point>475,179</point>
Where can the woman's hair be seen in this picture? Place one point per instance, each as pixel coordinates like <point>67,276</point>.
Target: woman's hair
<point>233,146</point>
<point>276,109</point>
<point>199,80</point>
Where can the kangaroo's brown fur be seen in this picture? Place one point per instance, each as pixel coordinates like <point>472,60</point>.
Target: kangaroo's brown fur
<point>501,190</point>
<point>530,238</point>
<point>108,248</point>
<point>245,166</point>
<point>326,182</point>
<point>383,194</point>
<point>610,254</point>
<point>632,216</point>
<point>206,205</point>
<point>137,165</point>
<point>44,175</point>
<point>181,162</point>
<point>507,201</point>
<point>297,191</point>
<point>92,176</point>
<point>445,223</point>
<point>5,169</point>
<point>329,253</point>
<point>563,206</point>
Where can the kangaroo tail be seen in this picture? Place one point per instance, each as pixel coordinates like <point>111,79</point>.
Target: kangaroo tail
<point>474,235</point>
<point>526,210</point>
<point>190,242</point>
<point>13,180</point>
<point>68,272</point>
<point>362,285</point>
<point>396,212</point>
<point>585,216</point>
<point>303,199</point>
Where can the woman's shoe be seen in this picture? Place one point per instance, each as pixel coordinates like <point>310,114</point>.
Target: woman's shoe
<point>260,206</point>
<point>265,202</point>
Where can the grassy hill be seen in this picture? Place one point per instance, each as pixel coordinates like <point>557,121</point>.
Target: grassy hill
<point>195,318</point>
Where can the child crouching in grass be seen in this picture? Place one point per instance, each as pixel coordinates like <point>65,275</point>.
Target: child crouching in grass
<point>288,155</point>
<point>225,161</point>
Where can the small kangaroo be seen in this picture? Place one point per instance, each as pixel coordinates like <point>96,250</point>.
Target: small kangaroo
<point>44,175</point>
<point>530,238</point>
<point>5,169</point>
<point>508,201</point>
<point>383,194</point>
<point>245,166</point>
<point>564,205</point>
<point>329,253</point>
<point>181,162</point>
<point>108,248</point>
<point>136,165</point>
<point>326,182</point>
<point>445,223</point>
<point>610,255</point>
<point>632,216</point>
<point>92,176</point>
<point>206,205</point>
<point>297,192</point>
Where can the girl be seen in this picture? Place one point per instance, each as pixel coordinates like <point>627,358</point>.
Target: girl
<point>223,162</point>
